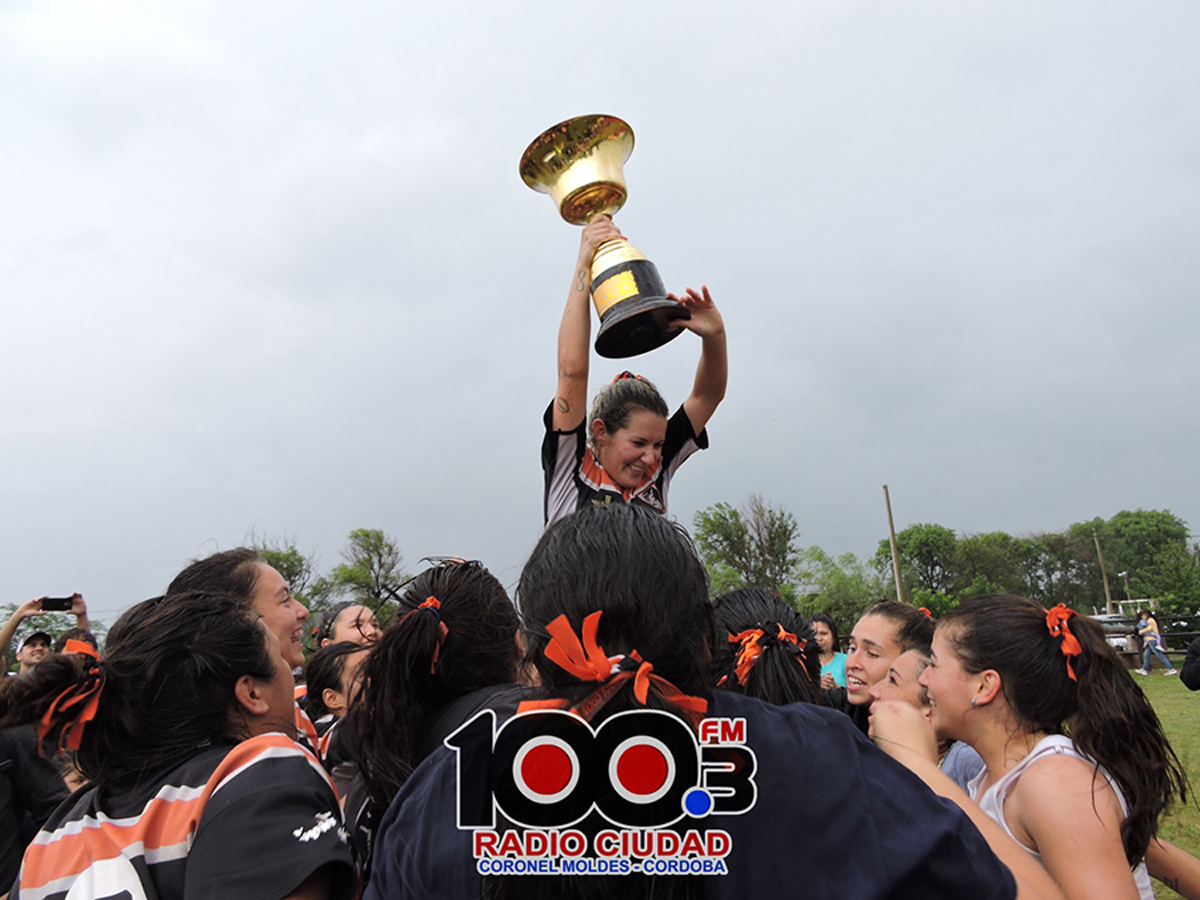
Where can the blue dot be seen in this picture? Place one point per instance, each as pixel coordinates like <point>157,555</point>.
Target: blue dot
<point>697,803</point>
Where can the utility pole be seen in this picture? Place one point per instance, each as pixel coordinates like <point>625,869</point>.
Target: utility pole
<point>895,553</point>
<point>1108,606</point>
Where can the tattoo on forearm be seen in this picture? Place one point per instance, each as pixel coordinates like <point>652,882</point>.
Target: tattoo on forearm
<point>580,281</point>
<point>1172,883</point>
<point>563,405</point>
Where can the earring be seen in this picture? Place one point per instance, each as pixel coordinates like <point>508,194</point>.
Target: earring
<point>974,703</point>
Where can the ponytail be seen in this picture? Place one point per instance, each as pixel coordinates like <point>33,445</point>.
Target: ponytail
<point>764,648</point>
<point>456,634</point>
<point>1114,724</point>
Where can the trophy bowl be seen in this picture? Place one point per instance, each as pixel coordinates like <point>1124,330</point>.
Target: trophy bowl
<point>579,163</point>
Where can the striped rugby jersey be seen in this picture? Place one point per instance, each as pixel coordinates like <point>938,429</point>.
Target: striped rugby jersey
<point>252,820</point>
<point>574,477</point>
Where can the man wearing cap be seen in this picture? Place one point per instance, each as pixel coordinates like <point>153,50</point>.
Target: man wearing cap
<point>36,646</point>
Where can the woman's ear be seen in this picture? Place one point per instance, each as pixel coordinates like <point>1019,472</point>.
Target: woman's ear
<point>599,431</point>
<point>989,687</point>
<point>335,701</point>
<point>250,696</point>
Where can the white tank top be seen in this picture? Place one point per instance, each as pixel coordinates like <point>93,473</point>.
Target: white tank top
<point>993,799</point>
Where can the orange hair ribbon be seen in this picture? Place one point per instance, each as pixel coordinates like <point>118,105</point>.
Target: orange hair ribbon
<point>928,614</point>
<point>75,706</point>
<point>752,648</point>
<point>621,376</point>
<point>1056,622</point>
<point>751,641</point>
<point>74,646</point>
<point>587,661</point>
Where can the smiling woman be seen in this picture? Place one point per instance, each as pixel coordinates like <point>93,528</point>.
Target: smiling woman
<point>243,575</point>
<point>190,699</point>
<point>630,448</point>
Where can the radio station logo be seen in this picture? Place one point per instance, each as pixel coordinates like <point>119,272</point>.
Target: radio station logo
<point>641,771</point>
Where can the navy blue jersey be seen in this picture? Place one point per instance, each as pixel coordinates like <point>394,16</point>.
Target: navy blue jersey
<point>833,814</point>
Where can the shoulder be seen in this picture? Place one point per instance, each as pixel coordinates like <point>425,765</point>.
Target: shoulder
<point>1061,775</point>
<point>1059,789</point>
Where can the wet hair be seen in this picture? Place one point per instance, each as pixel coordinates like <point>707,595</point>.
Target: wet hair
<point>414,669</point>
<point>170,670</point>
<point>75,634</point>
<point>786,671</point>
<point>637,568</point>
<point>619,400</point>
<point>640,571</point>
<point>1102,709</point>
<point>827,620</point>
<point>232,572</point>
<point>326,668</point>
<point>914,629</point>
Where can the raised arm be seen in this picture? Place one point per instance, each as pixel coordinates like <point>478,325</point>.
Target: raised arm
<point>712,372</point>
<point>79,611</point>
<point>20,614</point>
<point>575,332</point>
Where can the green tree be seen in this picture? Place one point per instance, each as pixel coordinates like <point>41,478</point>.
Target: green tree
<point>926,557</point>
<point>995,562</point>
<point>753,547</point>
<point>842,586</point>
<point>371,565</point>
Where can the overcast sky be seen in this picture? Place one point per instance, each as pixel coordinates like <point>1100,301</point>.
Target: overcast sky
<point>270,267</point>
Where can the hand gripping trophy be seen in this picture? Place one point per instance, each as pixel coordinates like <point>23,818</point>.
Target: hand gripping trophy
<point>579,164</point>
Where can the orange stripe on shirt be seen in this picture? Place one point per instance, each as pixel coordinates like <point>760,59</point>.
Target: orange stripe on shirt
<point>163,822</point>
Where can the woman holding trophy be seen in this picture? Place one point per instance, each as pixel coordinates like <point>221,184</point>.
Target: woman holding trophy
<point>627,449</point>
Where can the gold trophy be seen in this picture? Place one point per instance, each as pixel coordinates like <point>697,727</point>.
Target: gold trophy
<point>578,163</point>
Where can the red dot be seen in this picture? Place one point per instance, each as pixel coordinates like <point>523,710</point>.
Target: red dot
<point>642,769</point>
<point>546,769</point>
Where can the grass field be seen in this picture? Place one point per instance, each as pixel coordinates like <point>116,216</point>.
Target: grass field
<point>1179,710</point>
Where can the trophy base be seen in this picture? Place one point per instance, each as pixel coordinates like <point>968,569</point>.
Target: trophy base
<point>636,316</point>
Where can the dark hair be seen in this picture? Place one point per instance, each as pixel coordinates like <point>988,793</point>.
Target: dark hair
<point>414,669</point>
<point>169,672</point>
<point>75,634</point>
<point>233,572</point>
<point>787,671</point>
<point>637,568</point>
<point>641,572</point>
<point>325,669</point>
<point>1107,716</point>
<point>914,629</point>
<point>621,399</point>
<point>827,620</point>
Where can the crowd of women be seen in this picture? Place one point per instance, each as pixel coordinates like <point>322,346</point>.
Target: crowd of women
<point>1002,752</point>
<point>206,777</point>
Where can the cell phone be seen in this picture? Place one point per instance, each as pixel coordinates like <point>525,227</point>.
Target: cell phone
<point>57,604</point>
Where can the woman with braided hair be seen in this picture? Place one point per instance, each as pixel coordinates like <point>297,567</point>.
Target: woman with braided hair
<point>1078,769</point>
<point>616,621</point>
<point>185,731</point>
